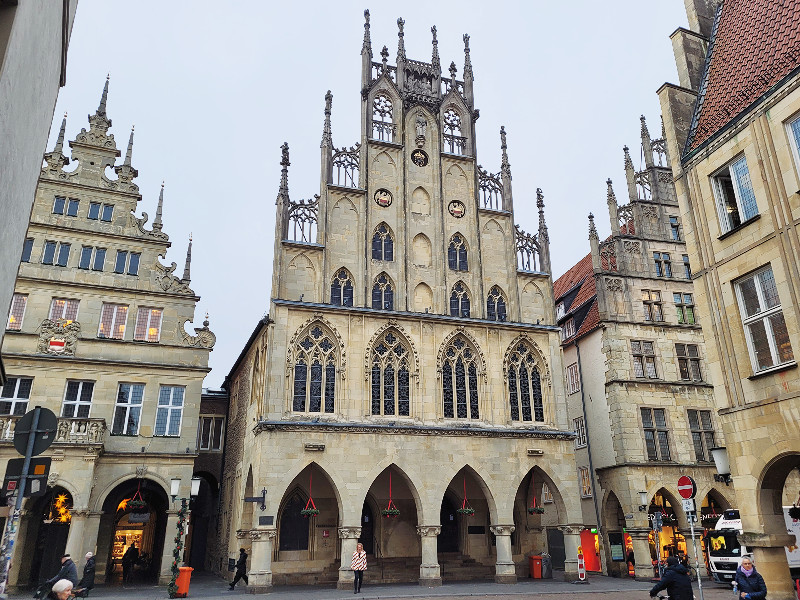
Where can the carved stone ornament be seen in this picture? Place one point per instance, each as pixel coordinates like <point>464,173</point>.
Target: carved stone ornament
<point>664,177</point>
<point>255,534</point>
<point>141,471</point>
<point>502,529</point>
<point>52,479</point>
<point>428,530</point>
<point>422,126</point>
<point>205,338</point>
<point>392,324</point>
<point>139,223</point>
<point>302,330</point>
<point>242,533</point>
<point>570,529</point>
<point>649,212</point>
<point>163,277</point>
<point>58,337</point>
<point>541,361</point>
<point>613,284</point>
<point>632,247</point>
<point>349,533</point>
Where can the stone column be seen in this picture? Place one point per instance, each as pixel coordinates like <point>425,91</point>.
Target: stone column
<point>505,571</point>
<point>77,529</point>
<point>165,572</point>
<point>260,572</point>
<point>572,539</point>
<point>90,533</point>
<point>430,574</point>
<point>349,537</point>
<point>769,556</point>
<point>640,538</point>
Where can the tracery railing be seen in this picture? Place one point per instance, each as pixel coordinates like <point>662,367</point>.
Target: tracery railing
<point>447,85</point>
<point>528,250</point>
<point>377,71</point>
<point>608,256</point>
<point>643,188</point>
<point>490,189</point>
<point>302,225</point>
<point>626,224</point>
<point>346,166</point>
<point>659,147</point>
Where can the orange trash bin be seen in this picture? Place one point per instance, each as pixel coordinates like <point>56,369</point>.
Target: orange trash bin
<point>184,577</point>
<point>536,567</point>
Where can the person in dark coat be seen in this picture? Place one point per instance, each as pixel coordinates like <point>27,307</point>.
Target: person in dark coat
<point>68,571</point>
<point>130,558</point>
<point>749,581</point>
<point>241,569</point>
<point>87,581</point>
<point>675,580</point>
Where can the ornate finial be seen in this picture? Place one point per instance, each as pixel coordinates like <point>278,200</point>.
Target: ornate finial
<point>283,189</point>
<point>285,155</point>
<point>157,222</point>
<point>540,206</point>
<point>540,200</point>
<point>367,46</point>
<point>505,166</point>
<point>435,60</point>
<point>101,110</point>
<point>401,45</point>
<point>327,137</point>
<point>205,322</point>
<point>187,268</point>
<point>384,57</point>
<point>129,153</point>
<point>645,132</point>
<point>611,197</point>
<point>467,61</point>
<point>628,161</point>
<point>453,72</point>
<point>592,228</point>
<point>60,141</point>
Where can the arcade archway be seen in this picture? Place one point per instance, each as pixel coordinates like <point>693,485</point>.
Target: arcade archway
<point>46,526</point>
<point>538,511</point>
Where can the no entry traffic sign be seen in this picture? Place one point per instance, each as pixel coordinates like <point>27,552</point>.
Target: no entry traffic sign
<point>687,488</point>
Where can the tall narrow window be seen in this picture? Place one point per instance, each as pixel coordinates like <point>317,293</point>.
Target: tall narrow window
<point>72,207</point>
<point>342,289</point>
<point>457,254</point>
<point>85,260</point>
<point>656,435</point>
<point>675,228</point>
<point>148,325</point>
<point>382,293</point>
<point>460,380</point>
<point>651,299</point>
<point>579,426</point>
<point>454,141</point>
<point>49,253</point>
<point>209,433</point>
<point>663,264</point>
<point>59,204</point>
<point>688,362</point>
<point>644,359</point>
<point>128,409</point>
<point>586,482</point>
<point>122,259</point>
<point>573,379</point>
<point>382,125</point>
<point>687,268</point>
<point>133,263</point>
<point>27,249</point>
<point>762,318</point>
<point>459,301</point>
<point>684,304</point>
<point>382,244</point>
<point>390,376</point>
<point>63,308</point>
<point>99,259</point>
<point>733,190</point>
<point>17,312</point>
<point>314,383</point>
<point>113,318</point>
<point>524,385</point>
<point>169,412</point>
<point>702,434</point>
<point>14,395</point>
<point>77,399</point>
<point>108,213</point>
<point>63,254</point>
<point>496,305</point>
<point>94,211</point>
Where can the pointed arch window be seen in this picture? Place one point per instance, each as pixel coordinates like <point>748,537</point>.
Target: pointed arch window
<point>496,305</point>
<point>524,385</point>
<point>459,301</point>
<point>389,376</point>
<point>460,380</point>
<point>382,293</point>
<point>342,289</point>
<point>454,141</point>
<point>314,386</point>
<point>382,121</point>
<point>294,528</point>
<point>457,254</point>
<point>382,244</point>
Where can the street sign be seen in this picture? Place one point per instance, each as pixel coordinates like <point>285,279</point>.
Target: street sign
<point>688,505</point>
<point>38,471</point>
<point>687,488</point>
<point>43,436</point>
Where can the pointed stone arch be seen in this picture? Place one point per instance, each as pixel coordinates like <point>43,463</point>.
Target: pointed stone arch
<point>379,333</point>
<point>423,297</point>
<point>303,329</point>
<point>414,487</point>
<point>455,469</point>
<point>345,204</point>
<point>492,227</point>
<point>301,279</point>
<point>465,333</point>
<point>421,250</point>
<point>420,201</point>
<point>287,482</point>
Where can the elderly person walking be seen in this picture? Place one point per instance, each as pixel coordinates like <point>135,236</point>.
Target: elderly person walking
<point>358,565</point>
<point>62,589</point>
<point>749,581</point>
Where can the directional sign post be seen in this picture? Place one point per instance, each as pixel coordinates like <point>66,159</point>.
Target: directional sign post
<point>687,488</point>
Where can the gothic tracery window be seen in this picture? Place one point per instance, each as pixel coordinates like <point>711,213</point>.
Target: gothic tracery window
<point>382,122</point>
<point>389,376</point>
<point>454,141</point>
<point>460,380</point>
<point>459,301</point>
<point>496,305</point>
<point>342,289</point>
<point>382,293</point>
<point>457,254</point>
<point>314,385</point>
<point>382,244</point>
<point>524,385</point>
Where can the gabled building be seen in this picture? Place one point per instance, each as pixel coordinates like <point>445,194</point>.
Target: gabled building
<point>405,390</point>
<point>97,334</point>
<point>637,375</point>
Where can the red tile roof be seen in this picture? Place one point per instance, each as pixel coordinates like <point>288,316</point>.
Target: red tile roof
<point>591,321</point>
<point>575,275</point>
<point>581,274</point>
<point>754,45</point>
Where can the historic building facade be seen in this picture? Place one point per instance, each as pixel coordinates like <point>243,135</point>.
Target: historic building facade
<point>637,375</point>
<point>405,390</point>
<point>97,334</point>
<point>734,121</point>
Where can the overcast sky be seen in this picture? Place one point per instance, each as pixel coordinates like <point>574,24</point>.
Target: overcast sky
<point>215,88</point>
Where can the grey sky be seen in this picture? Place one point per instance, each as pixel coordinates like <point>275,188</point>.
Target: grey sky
<point>214,89</point>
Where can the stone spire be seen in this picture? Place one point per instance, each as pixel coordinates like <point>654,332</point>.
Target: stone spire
<point>647,146</point>
<point>283,189</point>
<point>129,152</point>
<point>401,45</point>
<point>630,176</point>
<point>327,138</point>
<point>453,71</point>
<point>366,47</point>
<point>60,141</point>
<point>159,209</point>
<point>101,110</point>
<point>125,171</point>
<point>56,159</point>
<point>543,237</point>
<point>594,243</point>
<point>366,55</point>
<point>437,65</point>
<point>505,166</point>
<point>187,267</point>
<point>592,228</point>
<point>468,77</point>
<point>505,173</point>
<point>613,213</point>
<point>99,121</point>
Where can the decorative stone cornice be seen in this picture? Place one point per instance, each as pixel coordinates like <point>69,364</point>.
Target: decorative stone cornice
<point>428,530</point>
<point>205,338</point>
<point>349,533</point>
<point>242,533</point>
<point>502,529</point>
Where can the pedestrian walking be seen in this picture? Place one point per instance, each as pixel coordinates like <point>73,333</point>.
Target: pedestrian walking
<point>241,569</point>
<point>62,589</point>
<point>87,581</point>
<point>68,571</point>
<point>675,580</point>
<point>358,565</point>
<point>129,559</point>
<point>749,581</point>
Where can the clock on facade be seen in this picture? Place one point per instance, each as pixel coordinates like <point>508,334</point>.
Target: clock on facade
<point>456,208</point>
<point>383,197</point>
<point>419,158</point>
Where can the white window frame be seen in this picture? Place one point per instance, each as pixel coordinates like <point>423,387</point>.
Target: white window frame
<point>216,423</point>
<point>585,481</point>
<point>16,325</point>
<point>547,494</point>
<point>126,267</point>
<point>146,336</point>
<point>568,329</point>
<point>172,406</point>
<point>573,378</point>
<point>579,426</point>
<point>128,406</point>
<point>794,142</point>
<point>62,311</point>
<point>16,399</point>
<point>720,197</point>
<point>76,404</point>
<point>560,312</point>
<point>764,316</point>
<point>115,321</point>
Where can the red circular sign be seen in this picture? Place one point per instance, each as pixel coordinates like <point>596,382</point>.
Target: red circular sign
<point>687,487</point>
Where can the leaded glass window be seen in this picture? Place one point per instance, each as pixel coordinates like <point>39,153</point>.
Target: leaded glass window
<point>389,375</point>
<point>382,244</point>
<point>460,380</point>
<point>496,305</point>
<point>457,254</point>
<point>314,385</point>
<point>382,293</point>
<point>459,301</point>
<point>524,385</point>
<point>342,289</point>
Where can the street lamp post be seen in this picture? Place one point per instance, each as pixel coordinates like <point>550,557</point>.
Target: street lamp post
<point>175,485</point>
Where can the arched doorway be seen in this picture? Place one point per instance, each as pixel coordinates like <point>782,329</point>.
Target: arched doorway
<point>669,541</point>
<point>617,543</point>
<point>367,529</point>
<point>293,530</point>
<point>125,523</point>
<point>449,537</point>
<point>537,515</point>
<point>46,536</point>
<point>201,520</point>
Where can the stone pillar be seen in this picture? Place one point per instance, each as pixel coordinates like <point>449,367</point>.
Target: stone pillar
<point>77,529</point>
<point>769,556</point>
<point>91,532</point>
<point>260,572</point>
<point>165,572</point>
<point>505,571</point>
<point>349,537</point>
<point>572,539</point>
<point>640,537</point>
<point>430,574</point>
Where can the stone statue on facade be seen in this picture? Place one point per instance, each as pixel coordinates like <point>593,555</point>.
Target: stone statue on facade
<point>422,125</point>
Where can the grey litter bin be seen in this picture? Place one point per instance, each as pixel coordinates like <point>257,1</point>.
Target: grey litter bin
<point>547,567</point>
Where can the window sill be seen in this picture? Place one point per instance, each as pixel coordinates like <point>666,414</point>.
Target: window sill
<point>739,227</point>
<point>773,370</point>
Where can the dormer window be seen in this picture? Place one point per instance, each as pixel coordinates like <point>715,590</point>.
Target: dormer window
<point>568,329</point>
<point>559,310</point>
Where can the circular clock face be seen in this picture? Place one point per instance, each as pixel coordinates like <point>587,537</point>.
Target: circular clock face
<point>456,208</point>
<point>419,158</point>
<point>383,197</point>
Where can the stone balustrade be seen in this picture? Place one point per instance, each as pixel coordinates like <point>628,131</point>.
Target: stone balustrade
<point>79,431</point>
